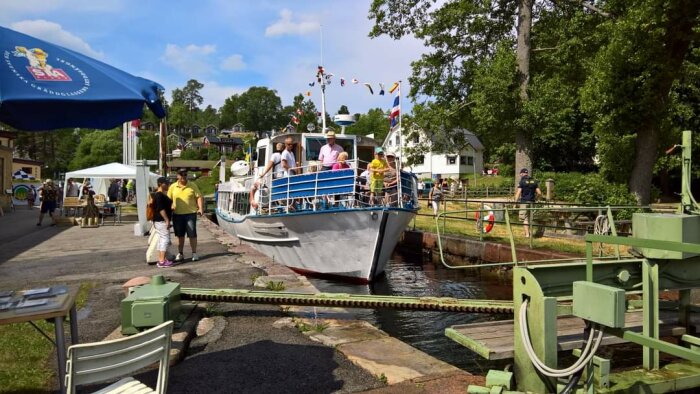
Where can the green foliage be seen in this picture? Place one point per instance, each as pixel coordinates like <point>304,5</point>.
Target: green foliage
<point>96,148</point>
<point>258,109</point>
<point>148,146</point>
<point>587,189</point>
<point>376,122</point>
<point>343,110</point>
<point>275,286</point>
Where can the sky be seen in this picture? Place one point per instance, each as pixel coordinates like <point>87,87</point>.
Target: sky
<point>230,45</point>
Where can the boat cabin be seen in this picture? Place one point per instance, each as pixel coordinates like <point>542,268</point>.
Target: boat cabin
<point>308,145</point>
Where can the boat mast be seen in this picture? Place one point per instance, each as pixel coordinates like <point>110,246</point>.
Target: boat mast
<point>322,81</point>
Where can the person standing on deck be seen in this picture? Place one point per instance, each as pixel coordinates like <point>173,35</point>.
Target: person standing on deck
<point>329,152</point>
<point>275,163</point>
<point>377,168</point>
<point>187,203</point>
<point>289,162</point>
<point>527,193</point>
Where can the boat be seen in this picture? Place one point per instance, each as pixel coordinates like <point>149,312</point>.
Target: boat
<point>317,223</point>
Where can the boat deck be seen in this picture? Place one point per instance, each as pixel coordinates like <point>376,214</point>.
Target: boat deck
<point>493,340</point>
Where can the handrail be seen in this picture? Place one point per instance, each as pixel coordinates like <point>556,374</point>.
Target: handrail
<point>318,185</point>
<point>506,210</point>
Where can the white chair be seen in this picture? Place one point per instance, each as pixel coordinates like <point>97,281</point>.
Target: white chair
<point>99,361</point>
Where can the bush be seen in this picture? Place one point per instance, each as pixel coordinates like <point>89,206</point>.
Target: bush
<point>589,189</point>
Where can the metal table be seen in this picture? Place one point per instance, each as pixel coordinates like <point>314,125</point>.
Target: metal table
<point>57,308</point>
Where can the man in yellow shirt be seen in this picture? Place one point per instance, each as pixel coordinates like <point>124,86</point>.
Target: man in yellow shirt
<point>187,203</point>
<point>377,168</point>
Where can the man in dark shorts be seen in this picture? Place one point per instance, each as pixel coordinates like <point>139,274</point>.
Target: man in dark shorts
<point>527,193</point>
<point>49,195</point>
<point>187,203</point>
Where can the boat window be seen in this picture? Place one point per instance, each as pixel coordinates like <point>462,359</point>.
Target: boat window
<point>366,154</point>
<point>313,147</point>
<point>261,157</point>
<point>314,144</point>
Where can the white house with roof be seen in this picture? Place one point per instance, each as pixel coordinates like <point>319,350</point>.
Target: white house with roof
<point>458,164</point>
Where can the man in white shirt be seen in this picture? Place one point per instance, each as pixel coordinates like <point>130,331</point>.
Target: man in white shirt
<point>275,163</point>
<point>329,152</point>
<point>288,160</point>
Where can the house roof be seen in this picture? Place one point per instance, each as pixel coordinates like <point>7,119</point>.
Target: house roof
<point>472,139</point>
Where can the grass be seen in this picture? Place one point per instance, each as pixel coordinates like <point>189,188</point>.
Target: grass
<point>275,286</point>
<point>467,228</point>
<point>25,354</point>
<point>206,184</point>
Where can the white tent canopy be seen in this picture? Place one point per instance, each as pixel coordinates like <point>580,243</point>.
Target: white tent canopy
<point>106,171</point>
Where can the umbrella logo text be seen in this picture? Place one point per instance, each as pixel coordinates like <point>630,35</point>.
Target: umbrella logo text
<point>38,66</point>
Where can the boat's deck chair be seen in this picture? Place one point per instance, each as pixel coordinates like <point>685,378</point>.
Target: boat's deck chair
<point>100,361</point>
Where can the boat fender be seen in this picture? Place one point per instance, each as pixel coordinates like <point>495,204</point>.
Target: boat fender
<point>490,220</point>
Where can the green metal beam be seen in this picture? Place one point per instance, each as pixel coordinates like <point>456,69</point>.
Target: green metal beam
<point>662,346</point>
<point>645,243</point>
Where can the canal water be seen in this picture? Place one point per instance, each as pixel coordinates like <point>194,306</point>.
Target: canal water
<point>412,275</point>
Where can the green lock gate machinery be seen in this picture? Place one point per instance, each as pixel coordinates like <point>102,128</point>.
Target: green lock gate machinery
<point>667,250</point>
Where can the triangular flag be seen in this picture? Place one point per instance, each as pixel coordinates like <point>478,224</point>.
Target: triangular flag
<point>369,87</point>
<point>312,84</point>
<point>381,89</point>
<point>342,81</point>
<point>355,81</point>
<point>394,87</point>
<point>308,93</point>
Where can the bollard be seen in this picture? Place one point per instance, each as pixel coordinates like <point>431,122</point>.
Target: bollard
<point>550,189</point>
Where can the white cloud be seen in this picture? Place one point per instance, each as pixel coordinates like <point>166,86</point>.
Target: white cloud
<point>192,60</point>
<point>233,63</point>
<point>285,26</point>
<point>215,94</point>
<point>54,33</point>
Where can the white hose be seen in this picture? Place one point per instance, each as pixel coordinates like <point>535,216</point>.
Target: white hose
<point>601,225</point>
<point>583,360</point>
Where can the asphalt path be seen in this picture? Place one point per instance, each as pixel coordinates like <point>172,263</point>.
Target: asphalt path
<point>251,355</point>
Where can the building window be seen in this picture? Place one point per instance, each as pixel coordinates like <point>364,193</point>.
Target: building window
<point>468,160</point>
<point>451,159</point>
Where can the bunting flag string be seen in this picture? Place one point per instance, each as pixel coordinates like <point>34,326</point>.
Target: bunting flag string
<point>324,78</point>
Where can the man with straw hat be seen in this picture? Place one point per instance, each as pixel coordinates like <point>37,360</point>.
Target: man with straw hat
<point>329,152</point>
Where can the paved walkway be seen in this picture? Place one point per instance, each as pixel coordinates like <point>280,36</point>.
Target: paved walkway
<point>252,349</point>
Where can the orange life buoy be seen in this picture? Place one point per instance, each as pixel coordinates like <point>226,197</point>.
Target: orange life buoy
<point>490,220</point>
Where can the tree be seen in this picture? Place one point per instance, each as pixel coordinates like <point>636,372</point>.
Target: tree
<point>258,108</point>
<point>303,110</point>
<point>343,110</point>
<point>376,122</point>
<point>631,78</point>
<point>96,148</point>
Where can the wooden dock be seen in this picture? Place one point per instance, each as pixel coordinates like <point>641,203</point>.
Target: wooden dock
<point>493,340</point>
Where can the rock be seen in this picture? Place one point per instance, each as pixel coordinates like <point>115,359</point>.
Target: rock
<point>204,326</point>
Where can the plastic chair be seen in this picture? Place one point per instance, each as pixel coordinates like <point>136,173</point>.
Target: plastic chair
<point>100,361</point>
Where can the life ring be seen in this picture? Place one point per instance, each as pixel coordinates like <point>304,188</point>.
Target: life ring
<point>490,220</point>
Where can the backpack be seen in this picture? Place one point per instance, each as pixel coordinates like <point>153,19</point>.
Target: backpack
<point>150,207</point>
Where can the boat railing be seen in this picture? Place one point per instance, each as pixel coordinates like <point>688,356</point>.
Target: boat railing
<point>312,190</point>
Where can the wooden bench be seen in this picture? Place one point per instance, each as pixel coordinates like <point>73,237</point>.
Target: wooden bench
<point>71,203</point>
<point>493,340</point>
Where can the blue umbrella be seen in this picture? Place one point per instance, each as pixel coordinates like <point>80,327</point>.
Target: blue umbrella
<point>44,86</point>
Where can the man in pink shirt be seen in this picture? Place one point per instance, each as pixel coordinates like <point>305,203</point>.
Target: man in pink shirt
<point>329,152</point>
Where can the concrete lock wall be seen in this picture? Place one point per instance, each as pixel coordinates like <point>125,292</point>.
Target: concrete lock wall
<point>457,250</point>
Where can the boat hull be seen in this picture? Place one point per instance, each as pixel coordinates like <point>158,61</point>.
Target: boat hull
<point>354,244</point>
